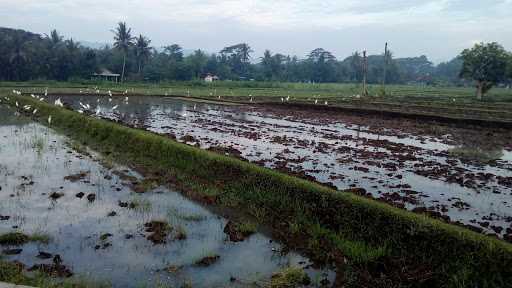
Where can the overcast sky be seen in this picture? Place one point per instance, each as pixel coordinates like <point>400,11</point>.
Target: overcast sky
<point>439,29</point>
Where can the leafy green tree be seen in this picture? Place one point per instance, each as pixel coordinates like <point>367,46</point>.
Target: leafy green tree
<point>486,64</point>
<point>54,38</point>
<point>509,67</point>
<point>356,66</point>
<point>322,65</point>
<point>238,56</point>
<point>142,52</point>
<point>175,52</point>
<point>123,41</point>
<point>197,63</point>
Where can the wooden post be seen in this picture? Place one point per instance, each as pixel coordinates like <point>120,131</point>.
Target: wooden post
<point>365,75</point>
<point>385,67</point>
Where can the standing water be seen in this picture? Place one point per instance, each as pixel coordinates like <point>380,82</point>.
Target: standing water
<point>104,231</point>
<point>460,174</point>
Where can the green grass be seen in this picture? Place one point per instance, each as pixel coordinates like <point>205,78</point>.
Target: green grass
<point>11,273</point>
<point>448,102</point>
<point>290,277</point>
<point>327,223</point>
<point>18,238</point>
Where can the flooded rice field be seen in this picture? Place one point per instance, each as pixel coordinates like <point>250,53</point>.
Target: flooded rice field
<point>99,228</point>
<point>459,174</point>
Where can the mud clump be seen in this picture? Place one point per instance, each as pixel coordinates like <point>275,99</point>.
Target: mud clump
<point>91,197</point>
<point>56,269</point>
<point>207,261</point>
<point>12,251</point>
<point>159,230</point>
<point>77,177</point>
<point>188,138</point>
<point>125,177</point>
<point>144,186</point>
<point>44,255</point>
<point>238,232</point>
<point>55,195</point>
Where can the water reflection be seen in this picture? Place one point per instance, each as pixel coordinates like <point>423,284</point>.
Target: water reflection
<point>409,170</point>
<point>35,161</point>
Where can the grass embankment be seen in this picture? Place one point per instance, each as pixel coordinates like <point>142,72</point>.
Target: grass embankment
<point>384,246</point>
<point>448,102</point>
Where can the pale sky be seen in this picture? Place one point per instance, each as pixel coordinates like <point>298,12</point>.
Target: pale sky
<point>439,29</point>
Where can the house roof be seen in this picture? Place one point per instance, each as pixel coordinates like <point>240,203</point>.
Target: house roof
<point>106,72</point>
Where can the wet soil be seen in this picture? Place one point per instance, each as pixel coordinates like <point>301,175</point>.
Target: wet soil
<point>405,162</point>
<point>87,240</point>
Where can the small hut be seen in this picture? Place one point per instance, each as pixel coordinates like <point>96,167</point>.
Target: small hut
<point>211,78</point>
<point>105,75</point>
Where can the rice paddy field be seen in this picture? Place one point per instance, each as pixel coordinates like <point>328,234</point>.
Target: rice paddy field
<point>449,102</point>
<point>225,186</point>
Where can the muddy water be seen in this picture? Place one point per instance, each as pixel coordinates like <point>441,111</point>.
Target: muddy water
<point>404,162</point>
<point>98,245</point>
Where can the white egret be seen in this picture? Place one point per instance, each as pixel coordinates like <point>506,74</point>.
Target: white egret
<point>59,103</point>
<point>50,120</point>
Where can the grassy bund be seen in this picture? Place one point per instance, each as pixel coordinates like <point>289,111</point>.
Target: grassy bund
<point>371,243</point>
<point>447,102</point>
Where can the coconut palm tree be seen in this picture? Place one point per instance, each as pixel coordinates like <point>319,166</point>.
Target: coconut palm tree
<point>123,41</point>
<point>142,51</point>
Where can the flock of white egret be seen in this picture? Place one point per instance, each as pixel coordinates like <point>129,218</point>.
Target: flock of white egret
<point>59,103</point>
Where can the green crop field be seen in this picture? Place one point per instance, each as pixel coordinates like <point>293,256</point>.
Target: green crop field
<point>452,102</point>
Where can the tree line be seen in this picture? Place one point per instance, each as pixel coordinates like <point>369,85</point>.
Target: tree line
<point>28,56</point>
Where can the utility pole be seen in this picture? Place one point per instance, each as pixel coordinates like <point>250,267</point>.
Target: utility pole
<point>385,67</point>
<point>365,75</point>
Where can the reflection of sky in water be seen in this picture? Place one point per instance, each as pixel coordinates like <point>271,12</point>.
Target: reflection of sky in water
<point>215,125</point>
<point>76,225</point>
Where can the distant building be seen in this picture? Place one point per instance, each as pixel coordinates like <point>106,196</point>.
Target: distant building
<point>106,75</point>
<point>210,78</point>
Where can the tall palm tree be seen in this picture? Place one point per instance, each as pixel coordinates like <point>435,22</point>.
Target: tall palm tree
<point>123,41</point>
<point>142,51</point>
<point>245,51</point>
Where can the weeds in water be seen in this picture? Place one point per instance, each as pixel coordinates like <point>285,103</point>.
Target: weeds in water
<point>39,144</point>
<point>141,205</point>
<point>290,277</point>
<point>18,238</point>
<point>247,228</point>
<point>77,147</point>
<point>476,154</point>
<point>174,213</point>
<point>181,233</point>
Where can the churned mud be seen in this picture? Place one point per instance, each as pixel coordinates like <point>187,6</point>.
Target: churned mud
<point>107,223</point>
<point>461,174</point>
